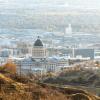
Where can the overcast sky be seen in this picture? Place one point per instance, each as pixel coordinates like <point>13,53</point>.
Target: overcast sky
<point>66,3</point>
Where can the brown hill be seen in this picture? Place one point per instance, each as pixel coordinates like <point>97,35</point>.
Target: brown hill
<point>14,89</point>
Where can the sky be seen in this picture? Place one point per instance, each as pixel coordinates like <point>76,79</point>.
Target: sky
<point>91,4</point>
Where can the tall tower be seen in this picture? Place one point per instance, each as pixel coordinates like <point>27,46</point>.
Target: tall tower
<point>68,30</point>
<point>38,51</point>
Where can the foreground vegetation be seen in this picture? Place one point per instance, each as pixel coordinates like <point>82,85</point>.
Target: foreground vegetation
<point>14,87</point>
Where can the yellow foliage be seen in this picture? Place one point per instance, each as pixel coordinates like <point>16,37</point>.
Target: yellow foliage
<point>11,67</point>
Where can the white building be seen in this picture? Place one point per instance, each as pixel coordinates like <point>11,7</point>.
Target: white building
<point>97,55</point>
<point>39,62</point>
<point>68,30</point>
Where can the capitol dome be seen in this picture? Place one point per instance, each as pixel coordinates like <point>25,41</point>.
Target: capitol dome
<point>38,42</point>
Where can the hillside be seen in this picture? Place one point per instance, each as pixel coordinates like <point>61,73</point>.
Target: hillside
<point>85,79</point>
<point>82,21</point>
<point>14,87</point>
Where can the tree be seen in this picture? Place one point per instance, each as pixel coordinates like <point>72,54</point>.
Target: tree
<point>10,67</point>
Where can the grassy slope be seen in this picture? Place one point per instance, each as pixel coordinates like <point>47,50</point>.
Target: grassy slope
<point>12,88</point>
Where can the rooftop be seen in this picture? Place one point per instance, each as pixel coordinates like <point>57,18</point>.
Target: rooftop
<point>38,42</point>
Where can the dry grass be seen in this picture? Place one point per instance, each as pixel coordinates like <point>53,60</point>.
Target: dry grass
<point>12,89</point>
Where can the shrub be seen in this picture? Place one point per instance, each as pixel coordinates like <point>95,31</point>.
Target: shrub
<point>10,67</point>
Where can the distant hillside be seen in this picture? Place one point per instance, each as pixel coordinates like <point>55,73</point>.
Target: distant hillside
<point>82,21</point>
<point>87,79</point>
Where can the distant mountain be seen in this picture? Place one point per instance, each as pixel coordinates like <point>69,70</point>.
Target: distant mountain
<point>50,20</point>
<point>87,4</point>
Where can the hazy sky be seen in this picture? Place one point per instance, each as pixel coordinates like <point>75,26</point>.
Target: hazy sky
<point>65,3</point>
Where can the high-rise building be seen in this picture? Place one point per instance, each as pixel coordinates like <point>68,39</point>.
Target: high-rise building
<point>68,30</point>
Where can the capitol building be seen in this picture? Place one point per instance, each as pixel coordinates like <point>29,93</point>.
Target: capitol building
<point>39,62</point>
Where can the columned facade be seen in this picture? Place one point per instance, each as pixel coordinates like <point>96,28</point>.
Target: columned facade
<point>40,63</point>
<point>38,50</point>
